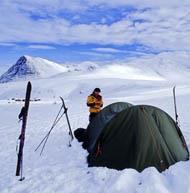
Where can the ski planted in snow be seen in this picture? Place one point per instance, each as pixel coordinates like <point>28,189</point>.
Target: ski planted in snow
<point>70,131</point>
<point>175,107</point>
<point>23,117</point>
<point>177,123</point>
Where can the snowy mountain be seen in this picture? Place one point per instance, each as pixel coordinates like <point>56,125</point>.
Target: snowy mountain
<point>164,66</point>
<point>87,66</point>
<point>172,66</point>
<point>30,67</point>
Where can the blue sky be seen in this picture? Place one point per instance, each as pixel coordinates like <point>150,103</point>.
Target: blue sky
<point>96,30</point>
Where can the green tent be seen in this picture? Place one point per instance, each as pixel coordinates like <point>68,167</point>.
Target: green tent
<point>99,122</point>
<point>135,137</point>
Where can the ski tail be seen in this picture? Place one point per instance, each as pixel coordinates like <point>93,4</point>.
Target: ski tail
<point>19,161</point>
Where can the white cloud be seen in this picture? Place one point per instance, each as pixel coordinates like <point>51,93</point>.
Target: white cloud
<point>108,50</point>
<point>97,55</point>
<point>163,27</point>
<point>51,7</point>
<point>7,44</point>
<point>47,6</point>
<point>140,3</point>
<point>45,47</point>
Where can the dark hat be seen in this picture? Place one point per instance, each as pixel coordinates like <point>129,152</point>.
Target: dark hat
<point>97,90</point>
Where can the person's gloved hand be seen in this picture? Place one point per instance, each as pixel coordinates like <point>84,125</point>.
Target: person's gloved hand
<point>91,104</point>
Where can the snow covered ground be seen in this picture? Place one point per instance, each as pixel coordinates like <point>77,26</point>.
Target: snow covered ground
<point>63,169</point>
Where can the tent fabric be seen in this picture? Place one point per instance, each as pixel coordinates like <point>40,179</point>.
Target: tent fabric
<point>139,137</point>
<point>98,123</point>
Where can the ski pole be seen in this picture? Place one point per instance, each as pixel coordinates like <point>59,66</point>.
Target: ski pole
<point>47,136</point>
<point>53,125</point>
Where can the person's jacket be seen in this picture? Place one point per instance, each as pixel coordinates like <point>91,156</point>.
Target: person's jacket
<point>95,103</point>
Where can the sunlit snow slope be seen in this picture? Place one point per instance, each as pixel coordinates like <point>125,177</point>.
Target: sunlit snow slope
<point>63,169</point>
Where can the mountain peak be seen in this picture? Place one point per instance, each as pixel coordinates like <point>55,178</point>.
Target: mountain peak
<point>32,67</point>
<point>22,60</point>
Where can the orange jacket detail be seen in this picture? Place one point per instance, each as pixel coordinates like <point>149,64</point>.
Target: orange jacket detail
<point>95,103</point>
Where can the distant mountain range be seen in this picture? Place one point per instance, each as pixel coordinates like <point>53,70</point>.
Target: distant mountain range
<point>173,67</point>
<point>28,67</point>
